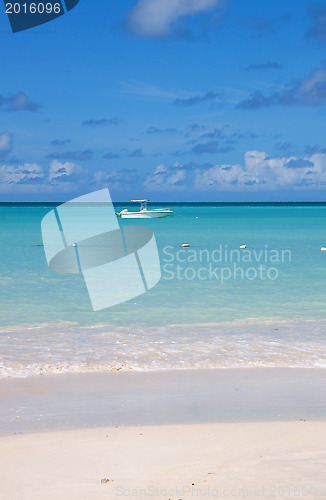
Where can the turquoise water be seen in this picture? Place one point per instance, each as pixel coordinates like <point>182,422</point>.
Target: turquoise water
<point>37,304</point>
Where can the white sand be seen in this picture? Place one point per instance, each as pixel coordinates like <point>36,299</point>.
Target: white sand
<point>232,460</point>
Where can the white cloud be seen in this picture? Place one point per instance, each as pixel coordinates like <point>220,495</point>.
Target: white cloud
<point>32,178</point>
<point>174,179</point>
<point>64,171</point>
<point>22,174</point>
<point>166,178</point>
<point>160,169</point>
<point>5,142</point>
<point>156,17</point>
<point>261,172</point>
<point>258,172</point>
<point>32,173</point>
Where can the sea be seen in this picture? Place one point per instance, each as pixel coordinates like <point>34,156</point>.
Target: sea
<point>249,291</point>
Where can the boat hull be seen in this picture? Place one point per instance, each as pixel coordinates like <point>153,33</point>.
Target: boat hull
<point>148,214</point>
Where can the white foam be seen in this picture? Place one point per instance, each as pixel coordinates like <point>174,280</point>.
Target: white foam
<point>69,348</point>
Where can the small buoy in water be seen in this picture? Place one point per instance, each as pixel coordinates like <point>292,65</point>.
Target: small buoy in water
<point>323,249</point>
<point>243,246</point>
<point>185,245</point>
<point>74,244</point>
<point>196,217</point>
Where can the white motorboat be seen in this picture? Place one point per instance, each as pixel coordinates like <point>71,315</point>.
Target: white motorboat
<point>144,212</point>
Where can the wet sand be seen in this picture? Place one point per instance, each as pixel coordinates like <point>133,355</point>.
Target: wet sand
<point>57,402</point>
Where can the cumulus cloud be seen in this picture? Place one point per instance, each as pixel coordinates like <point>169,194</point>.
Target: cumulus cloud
<point>191,101</point>
<point>33,178</point>
<point>166,178</point>
<point>261,172</point>
<point>158,18</point>
<point>258,172</point>
<point>18,102</point>
<point>28,173</point>
<point>64,172</point>
<point>309,91</point>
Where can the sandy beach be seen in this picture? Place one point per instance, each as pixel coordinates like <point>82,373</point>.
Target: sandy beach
<point>241,460</point>
<point>256,433</point>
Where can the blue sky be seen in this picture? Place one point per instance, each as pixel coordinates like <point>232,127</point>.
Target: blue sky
<point>194,100</point>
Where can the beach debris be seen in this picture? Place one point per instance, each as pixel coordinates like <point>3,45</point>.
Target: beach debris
<point>323,249</point>
<point>243,246</point>
<point>105,480</point>
<point>185,245</point>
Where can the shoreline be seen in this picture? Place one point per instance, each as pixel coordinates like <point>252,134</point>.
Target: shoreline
<point>60,402</point>
<point>103,348</point>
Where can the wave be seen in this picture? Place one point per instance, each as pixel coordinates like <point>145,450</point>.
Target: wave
<point>67,347</point>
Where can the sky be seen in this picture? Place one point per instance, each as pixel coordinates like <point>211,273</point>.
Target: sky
<point>171,100</point>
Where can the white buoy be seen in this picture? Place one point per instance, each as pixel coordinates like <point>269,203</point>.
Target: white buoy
<point>185,245</point>
<point>243,246</point>
<point>196,217</point>
<point>323,249</point>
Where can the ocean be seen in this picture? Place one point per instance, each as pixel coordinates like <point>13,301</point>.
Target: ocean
<point>216,306</point>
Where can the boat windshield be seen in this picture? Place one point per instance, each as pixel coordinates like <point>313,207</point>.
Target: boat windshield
<point>143,203</point>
